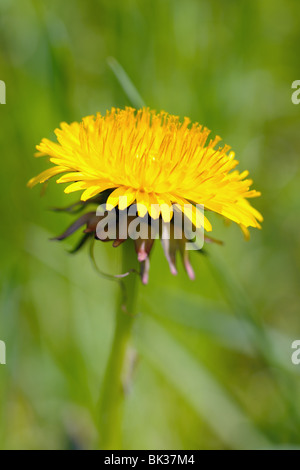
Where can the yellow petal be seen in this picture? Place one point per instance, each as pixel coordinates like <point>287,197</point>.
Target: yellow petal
<point>114,197</point>
<point>45,175</point>
<point>75,186</point>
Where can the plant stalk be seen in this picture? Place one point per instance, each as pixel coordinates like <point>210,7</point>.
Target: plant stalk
<point>113,392</point>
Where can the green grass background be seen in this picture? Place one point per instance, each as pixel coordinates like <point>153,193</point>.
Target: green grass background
<point>214,364</point>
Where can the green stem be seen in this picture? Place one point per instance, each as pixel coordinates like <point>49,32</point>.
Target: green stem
<point>113,391</point>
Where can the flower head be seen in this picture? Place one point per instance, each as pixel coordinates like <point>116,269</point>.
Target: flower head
<point>151,160</point>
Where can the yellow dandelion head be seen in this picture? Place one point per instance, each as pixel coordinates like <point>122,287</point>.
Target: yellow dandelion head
<point>154,160</point>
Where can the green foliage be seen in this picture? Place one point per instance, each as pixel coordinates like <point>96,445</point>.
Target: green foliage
<point>214,364</point>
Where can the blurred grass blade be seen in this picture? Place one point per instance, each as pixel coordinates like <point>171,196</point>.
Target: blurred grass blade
<point>126,83</point>
<point>201,315</point>
<point>274,347</point>
<point>210,401</point>
<point>217,322</point>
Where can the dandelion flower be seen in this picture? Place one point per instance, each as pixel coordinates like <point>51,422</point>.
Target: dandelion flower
<point>151,160</point>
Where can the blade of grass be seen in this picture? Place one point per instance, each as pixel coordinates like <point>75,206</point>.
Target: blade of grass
<point>126,83</point>
<point>266,344</point>
<point>210,401</point>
